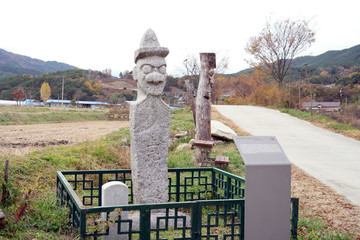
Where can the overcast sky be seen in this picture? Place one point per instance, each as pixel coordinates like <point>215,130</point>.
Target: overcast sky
<point>104,34</point>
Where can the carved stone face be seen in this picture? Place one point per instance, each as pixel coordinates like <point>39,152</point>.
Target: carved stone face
<point>150,73</point>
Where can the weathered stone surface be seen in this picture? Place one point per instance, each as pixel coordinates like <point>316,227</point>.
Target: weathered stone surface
<point>181,134</point>
<point>220,130</point>
<point>150,130</point>
<point>115,193</point>
<point>192,141</point>
<point>3,220</point>
<point>150,124</point>
<point>183,146</point>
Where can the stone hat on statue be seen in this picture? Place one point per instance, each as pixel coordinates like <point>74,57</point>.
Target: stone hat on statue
<point>149,46</point>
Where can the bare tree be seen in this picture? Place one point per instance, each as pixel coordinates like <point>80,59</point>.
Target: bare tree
<point>192,66</point>
<point>107,72</point>
<point>192,72</point>
<point>278,44</point>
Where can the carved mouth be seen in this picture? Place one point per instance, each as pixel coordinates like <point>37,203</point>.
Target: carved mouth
<point>155,82</point>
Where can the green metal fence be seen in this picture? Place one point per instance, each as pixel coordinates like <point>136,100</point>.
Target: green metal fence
<point>204,203</point>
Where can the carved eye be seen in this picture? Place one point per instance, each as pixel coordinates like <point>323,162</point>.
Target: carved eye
<point>146,69</point>
<point>162,69</point>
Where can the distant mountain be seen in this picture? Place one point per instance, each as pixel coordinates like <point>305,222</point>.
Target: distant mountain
<point>345,57</point>
<point>15,64</point>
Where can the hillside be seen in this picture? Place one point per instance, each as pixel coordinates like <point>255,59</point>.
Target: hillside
<point>117,85</point>
<point>345,58</point>
<point>15,64</point>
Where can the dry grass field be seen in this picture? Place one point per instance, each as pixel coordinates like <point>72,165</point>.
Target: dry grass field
<point>21,139</point>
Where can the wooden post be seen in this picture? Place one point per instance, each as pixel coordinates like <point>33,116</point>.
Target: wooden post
<point>203,104</point>
<point>190,93</point>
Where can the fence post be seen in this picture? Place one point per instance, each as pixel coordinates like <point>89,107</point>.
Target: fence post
<point>228,188</point>
<point>213,189</point>
<point>178,186</point>
<point>196,221</point>
<point>294,217</point>
<point>82,223</point>
<point>145,223</point>
<point>59,191</point>
<point>100,186</point>
<point>242,220</point>
<point>203,104</point>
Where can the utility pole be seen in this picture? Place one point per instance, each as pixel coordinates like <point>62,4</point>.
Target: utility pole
<point>311,95</point>
<point>289,88</point>
<point>299,86</point>
<point>346,102</point>
<point>62,93</point>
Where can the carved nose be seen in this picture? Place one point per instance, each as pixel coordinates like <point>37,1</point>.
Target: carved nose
<point>155,79</point>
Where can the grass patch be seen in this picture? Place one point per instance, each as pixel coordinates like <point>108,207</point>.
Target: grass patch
<point>236,164</point>
<point>317,229</point>
<point>35,115</point>
<point>181,120</point>
<point>325,122</point>
<point>36,171</point>
<point>43,219</point>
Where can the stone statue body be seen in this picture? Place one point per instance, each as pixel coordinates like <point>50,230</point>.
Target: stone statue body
<point>150,124</point>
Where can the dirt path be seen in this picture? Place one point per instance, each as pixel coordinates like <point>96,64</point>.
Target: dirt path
<point>21,139</point>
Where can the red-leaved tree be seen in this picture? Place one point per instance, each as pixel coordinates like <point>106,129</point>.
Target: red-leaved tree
<point>19,95</point>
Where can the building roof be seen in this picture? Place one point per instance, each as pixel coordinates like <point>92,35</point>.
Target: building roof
<point>322,104</point>
<point>69,101</point>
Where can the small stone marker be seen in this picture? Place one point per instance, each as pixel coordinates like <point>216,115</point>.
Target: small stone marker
<point>267,188</point>
<point>150,124</point>
<point>115,193</point>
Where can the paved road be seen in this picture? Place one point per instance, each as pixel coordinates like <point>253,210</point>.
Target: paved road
<point>329,157</point>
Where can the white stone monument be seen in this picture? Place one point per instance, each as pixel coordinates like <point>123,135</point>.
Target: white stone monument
<point>115,193</point>
<point>150,124</point>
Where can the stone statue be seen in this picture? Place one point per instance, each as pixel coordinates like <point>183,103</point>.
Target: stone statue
<point>150,123</point>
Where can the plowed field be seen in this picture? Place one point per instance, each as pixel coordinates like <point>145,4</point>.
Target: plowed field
<point>21,139</point>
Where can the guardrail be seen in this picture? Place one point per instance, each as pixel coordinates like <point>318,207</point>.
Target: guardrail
<point>203,203</point>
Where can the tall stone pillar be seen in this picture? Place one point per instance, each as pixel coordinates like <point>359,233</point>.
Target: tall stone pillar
<point>150,124</point>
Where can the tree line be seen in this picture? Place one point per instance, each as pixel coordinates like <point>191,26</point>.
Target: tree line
<point>79,84</point>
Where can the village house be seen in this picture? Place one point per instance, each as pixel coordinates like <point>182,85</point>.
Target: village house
<point>326,106</point>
